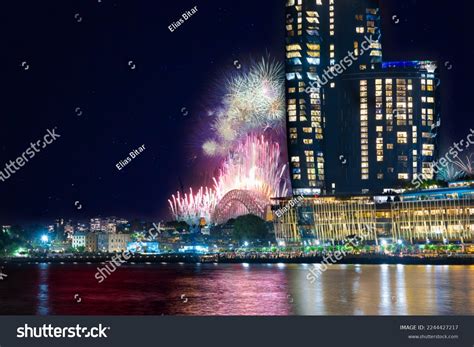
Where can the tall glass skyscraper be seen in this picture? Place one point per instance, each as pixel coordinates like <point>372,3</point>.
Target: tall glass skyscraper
<point>388,133</point>
<point>355,124</point>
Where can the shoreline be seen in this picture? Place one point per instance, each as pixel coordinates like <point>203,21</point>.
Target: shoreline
<point>203,259</point>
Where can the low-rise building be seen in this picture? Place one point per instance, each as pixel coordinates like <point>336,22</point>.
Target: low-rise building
<point>79,240</point>
<point>91,242</point>
<point>441,215</point>
<point>109,242</point>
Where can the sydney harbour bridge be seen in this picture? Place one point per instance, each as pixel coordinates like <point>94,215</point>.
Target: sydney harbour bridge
<point>239,202</point>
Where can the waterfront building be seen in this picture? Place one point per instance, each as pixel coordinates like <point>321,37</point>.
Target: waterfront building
<point>443,215</point>
<point>79,240</point>
<point>108,242</point>
<point>318,36</point>
<point>144,247</point>
<point>91,242</point>
<point>387,136</point>
<point>355,124</point>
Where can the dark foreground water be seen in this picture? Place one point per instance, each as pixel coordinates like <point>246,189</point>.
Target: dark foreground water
<point>237,289</point>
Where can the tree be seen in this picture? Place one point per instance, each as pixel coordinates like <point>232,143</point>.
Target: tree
<point>178,226</point>
<point>80,249</point>
<point>249,228</point>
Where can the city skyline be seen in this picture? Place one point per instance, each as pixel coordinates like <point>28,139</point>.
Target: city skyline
<point>102,119</point>
<point>236,158</point>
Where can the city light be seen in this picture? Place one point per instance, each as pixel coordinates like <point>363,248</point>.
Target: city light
<point>45,238</point>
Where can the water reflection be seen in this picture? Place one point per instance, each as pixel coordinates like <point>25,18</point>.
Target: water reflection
<point>385,290</point>
<point>43,290</point>
<point>240,289</point>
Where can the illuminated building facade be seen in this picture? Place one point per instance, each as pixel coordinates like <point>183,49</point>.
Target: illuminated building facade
<point>355,124</point>
<point>78,240</point>
<point>444,215</point>
<point>319,35</point>
<point>91,242</point>
<point>108,242</point>
<point>388,133</point>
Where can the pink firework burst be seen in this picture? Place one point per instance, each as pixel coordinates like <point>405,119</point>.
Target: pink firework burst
<point>254,165</point>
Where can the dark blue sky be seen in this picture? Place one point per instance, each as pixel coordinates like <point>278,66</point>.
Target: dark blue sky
<point>78,54</point>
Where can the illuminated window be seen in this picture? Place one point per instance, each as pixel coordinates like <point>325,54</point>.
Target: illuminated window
<point>403,176</point>
<point>402,137</point>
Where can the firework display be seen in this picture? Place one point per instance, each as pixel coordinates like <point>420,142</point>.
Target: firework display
<point>193,206</point>
<point>450,173</point>
<point>254,101</point>
<point>465,165</point>
<point>254,165</point>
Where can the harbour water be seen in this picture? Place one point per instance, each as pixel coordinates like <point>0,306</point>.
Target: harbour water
<point>237,289</point>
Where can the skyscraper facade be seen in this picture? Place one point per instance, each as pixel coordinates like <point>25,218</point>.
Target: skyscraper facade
<point>388,133</point>
<point>319,35</point>
<point>355,124</point>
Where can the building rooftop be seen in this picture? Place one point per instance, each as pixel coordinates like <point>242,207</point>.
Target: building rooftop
<point>440,193</point>
<point>428,65</point>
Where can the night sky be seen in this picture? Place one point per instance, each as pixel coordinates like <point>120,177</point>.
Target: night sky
<point>110,77</point>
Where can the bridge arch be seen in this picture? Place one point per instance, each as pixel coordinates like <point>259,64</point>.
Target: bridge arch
<point>239,202</point>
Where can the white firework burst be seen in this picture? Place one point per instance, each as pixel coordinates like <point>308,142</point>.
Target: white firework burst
<point>466,165</point>
<point>254,101</point>
<point>191,207</point>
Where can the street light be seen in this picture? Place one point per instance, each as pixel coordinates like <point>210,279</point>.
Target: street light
<point>45,238</point>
